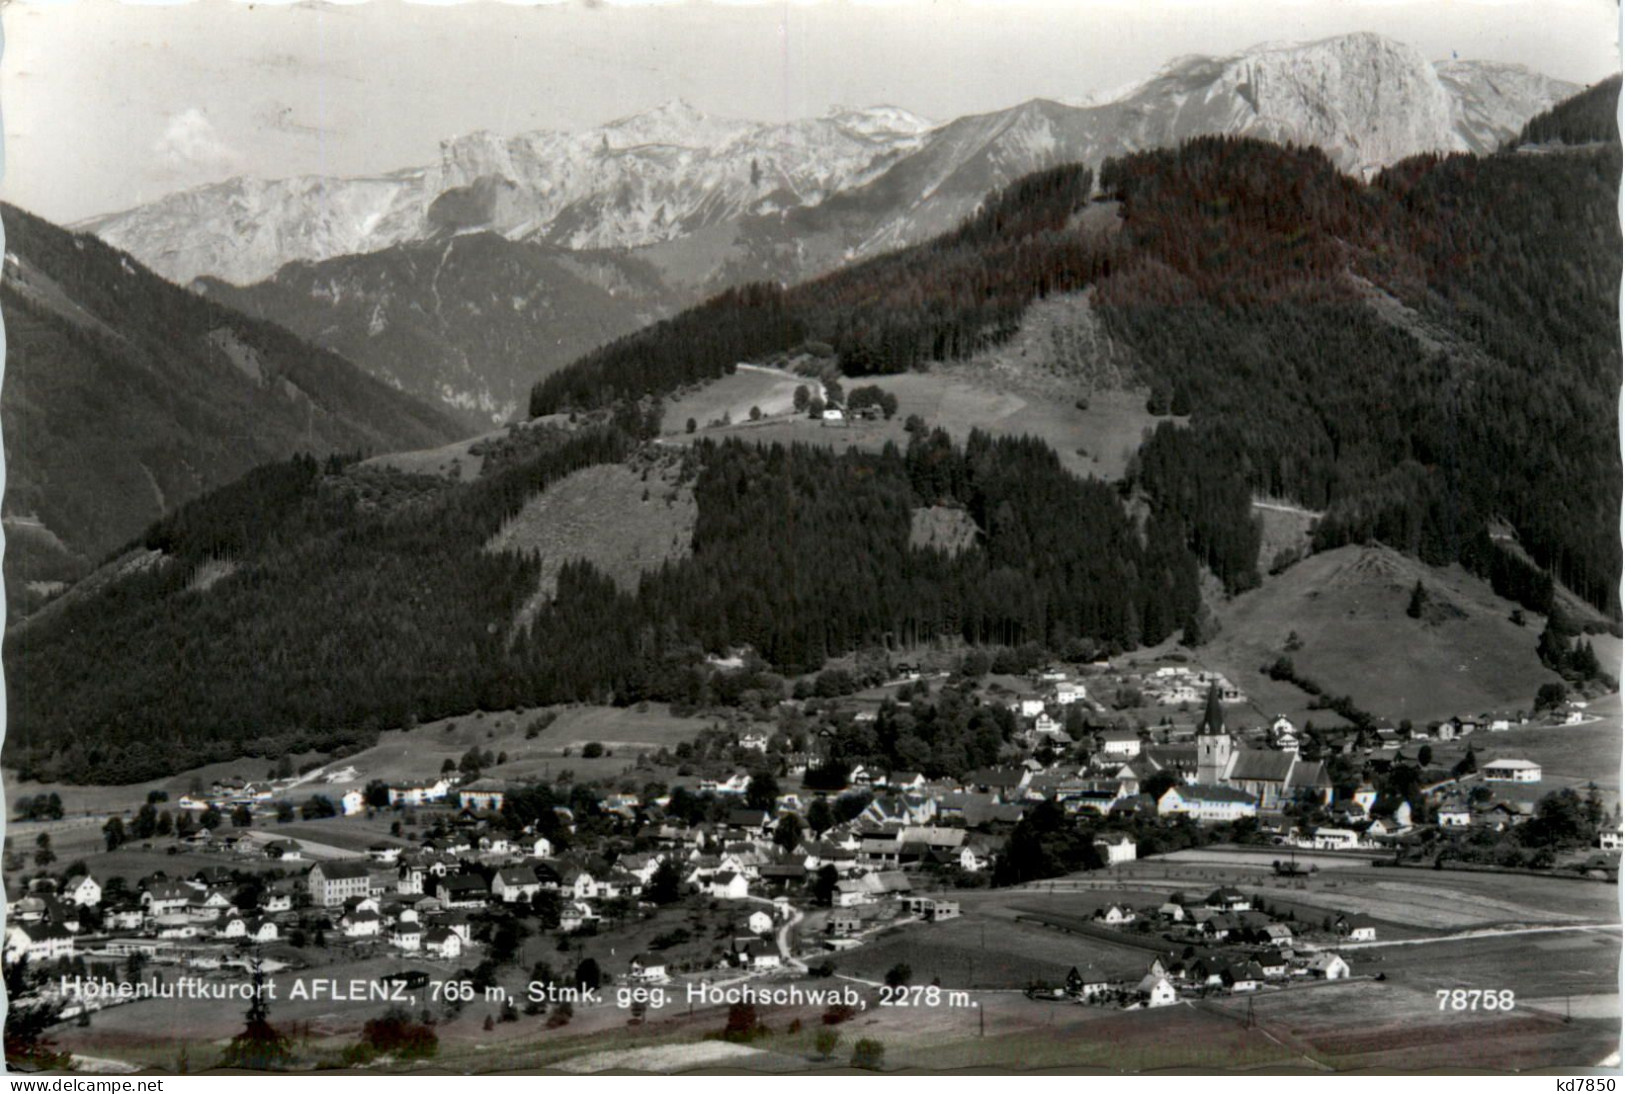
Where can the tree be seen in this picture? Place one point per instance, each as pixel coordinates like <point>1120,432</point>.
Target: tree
<point>592,750</point>
<point>666,884</point>
<point>588,974</point>
<point>820,818</point>
<point>241,817</point>
<point>824,883</point>
<point>377,794</point>
<point>29,1018</point>
<point>826,1042</point>
<point>743,1023</point>
<point>868,1054</point>
<point>802,398</point>
<point>1550,696</point>
<point>318,806</point>
<point>755,413</point>
<point>145,823</point>
<point>899,975</point>
<point>113,833</point>
<point>396,1034</point>
<point>762,793</point>
<point>1424,755</point>
<point>260,1046</point>
<point>43,855</point>
<point>787,834</point>
<point>1419,599</point>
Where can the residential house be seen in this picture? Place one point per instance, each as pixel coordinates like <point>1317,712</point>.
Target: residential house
<point>37,942</point>
<point>1120,744</point>
<point>483,795</point>
<point>462,891</point>
<point>647,967</point>
<point>1328,966</point>
<point>844,922</point>
<point>332,883</point>
<point>419,793</point>
<point>514,885</point>
<point>442,942</point>
<point>353,802</point>
<point>1511,771</point>
<point>728,885</point>
<point>1156,991</point>
<point>1116,848</point>
<point>83,891</point>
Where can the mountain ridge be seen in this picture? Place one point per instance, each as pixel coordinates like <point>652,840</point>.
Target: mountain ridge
<point>664,175</point>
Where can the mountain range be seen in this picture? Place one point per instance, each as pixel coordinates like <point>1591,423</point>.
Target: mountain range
<point>747,196</point>
<point>462,281</point>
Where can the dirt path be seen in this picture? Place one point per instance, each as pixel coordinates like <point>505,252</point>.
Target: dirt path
<point>1474,935</point>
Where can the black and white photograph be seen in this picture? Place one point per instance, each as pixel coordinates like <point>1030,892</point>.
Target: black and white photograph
<point>812,537</point>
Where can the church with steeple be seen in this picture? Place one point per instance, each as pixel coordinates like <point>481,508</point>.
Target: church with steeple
<point>1274,778</point>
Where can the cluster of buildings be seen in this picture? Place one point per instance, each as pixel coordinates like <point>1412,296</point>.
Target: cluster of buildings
<point>1231,946</point>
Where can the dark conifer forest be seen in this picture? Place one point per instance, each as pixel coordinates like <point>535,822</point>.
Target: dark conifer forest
<point>1426,357</point>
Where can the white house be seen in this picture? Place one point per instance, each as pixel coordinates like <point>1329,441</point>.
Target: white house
<point>83,891</point>
<point>759,923</point>
<point>441,942</point>
<point>647,967</point>
<point>407,936</point>
<point>1611,839</point>
<point>728,885</point>
<point>1120,744</point>
<point>1207,803</point>
<point>1454,815</point>
<point>1511,771</point>
<point>419,793</point>
<point>37,942</point>
<point>1328,966</point>
<point>1156,991</point>
<point>1335,839</point>
<point>353,802</point>
<point>514,885</point>
<point>1116,848</point>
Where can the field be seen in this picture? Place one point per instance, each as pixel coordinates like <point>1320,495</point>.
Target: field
<point>1347,608</point>
<point>1096,442</point>
<point>771,391</point>
<point>623,731</point>
<point>626,520</point>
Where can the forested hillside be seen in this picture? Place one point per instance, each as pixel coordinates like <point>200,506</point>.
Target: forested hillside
<point>1426,358</point>
<point>362,598</point>
<point>1591,116</point>
<point>126,396</point>
<point>464,323</point>
<point>1438,348</point>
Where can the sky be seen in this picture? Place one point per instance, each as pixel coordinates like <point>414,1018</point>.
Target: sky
<point>107,105</point>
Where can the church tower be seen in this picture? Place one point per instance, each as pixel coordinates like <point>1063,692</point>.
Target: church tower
<point>1213,745</point>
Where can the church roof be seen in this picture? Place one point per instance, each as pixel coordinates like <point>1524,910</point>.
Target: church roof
<point>1261,765</point>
